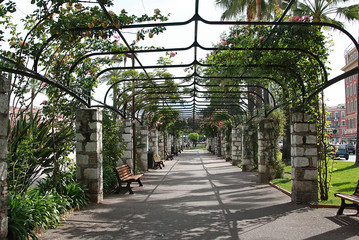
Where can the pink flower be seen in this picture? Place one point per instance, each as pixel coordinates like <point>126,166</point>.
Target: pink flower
<point>220,84</point>
<point>92,72</point>
<point>236,34</point>
<point>117,37</point>
<point>61,116</point>
<point>261,37</point>
<point>172,54</point>
<point>223,42</point>
<point>43,84</point>
<point>115,43</point>
<point>290,20</point>
<point>296,18</point>
<point>246,31</point>
<point>44,102</point>
<point>306,18</point>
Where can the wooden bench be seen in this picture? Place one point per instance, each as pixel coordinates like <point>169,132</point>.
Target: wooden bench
<point>169,156</point>
<point>158,163</point>
<point>125,175</point>
<point>354,198</point>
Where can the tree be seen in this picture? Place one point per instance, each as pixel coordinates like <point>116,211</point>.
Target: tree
<point>320,10</point>
<point>253,8</point>
<point>193,137</point>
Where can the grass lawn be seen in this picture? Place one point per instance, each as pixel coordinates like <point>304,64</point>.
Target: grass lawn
<point>344,179</point>
<point>198,147</point>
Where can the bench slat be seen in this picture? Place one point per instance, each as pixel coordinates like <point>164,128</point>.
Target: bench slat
<point>351,198</point>
<point>158,162</point>
<point>354,198</point>
<point>124,174</point>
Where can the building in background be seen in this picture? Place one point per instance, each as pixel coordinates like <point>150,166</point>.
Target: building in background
<point>351,97</point>
<point>337,123</point>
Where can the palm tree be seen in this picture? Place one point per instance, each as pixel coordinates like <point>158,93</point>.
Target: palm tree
<point>254,8</point>
<point>320,10</point>
<point>110,78</point>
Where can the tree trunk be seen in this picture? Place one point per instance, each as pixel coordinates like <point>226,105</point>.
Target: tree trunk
<point>259,10</point>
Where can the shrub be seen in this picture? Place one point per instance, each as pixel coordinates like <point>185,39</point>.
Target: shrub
<point>110,181</point>
<point>41,207</point>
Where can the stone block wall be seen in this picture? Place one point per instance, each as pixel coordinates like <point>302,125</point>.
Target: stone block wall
<point>228,147</point>
<point>218,145</point>
<point>4,117</point>
<point>249,146</point>
<point>304,158</point>
<point>153,141</point>
<point>89,151</point>
<point>169,142</point>
<point>141,156</point>
<point>236,146</point>
<point>214,145</point>
<point>211,145</point>
<point>208,143</point>
<point>161,144</point>
<point>267,149</point>
<point>127,133</point>
<point>223,143</point>
<point>176,143</point>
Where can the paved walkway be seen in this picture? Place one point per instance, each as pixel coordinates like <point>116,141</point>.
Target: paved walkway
<point>200,196</point>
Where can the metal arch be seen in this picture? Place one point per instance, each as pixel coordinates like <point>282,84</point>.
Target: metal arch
<point>197,18</point>
<point>193,45</point>
<point>144,87</point>
<point>254,65</point>
<point>333,81</point>
<point>192,91</point>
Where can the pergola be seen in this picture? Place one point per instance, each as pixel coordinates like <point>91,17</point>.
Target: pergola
<point>192,97</point>
<point>187,89</point>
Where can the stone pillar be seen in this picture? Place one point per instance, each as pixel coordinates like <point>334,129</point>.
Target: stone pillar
<point>4,117</point>
<point>228,147</point>
<point>267,149</point>
<point>127,157</point>
<point>218,145</point>
<point>179,144</point>
<point>223,143</point>
<point>236,146</point>
<point>304,158</point>
<point>213,145</point>
<point>153,141</point>
<point>141,149</point>
<point>249,147</point>
<point>89,151</point>
<point>176,145</point>
<point>161,144</point>
<point>169,142</point>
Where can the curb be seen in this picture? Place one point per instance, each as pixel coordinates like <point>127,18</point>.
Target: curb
<point>310,205</point>
<point>281,189</point>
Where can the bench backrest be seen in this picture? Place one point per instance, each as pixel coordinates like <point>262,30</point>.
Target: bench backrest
<point>123,171</point>
<point>356,193</point>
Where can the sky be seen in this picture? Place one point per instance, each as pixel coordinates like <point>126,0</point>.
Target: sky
<point>183,36</point>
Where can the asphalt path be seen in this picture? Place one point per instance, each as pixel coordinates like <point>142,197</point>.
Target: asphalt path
<point>200,196</point>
